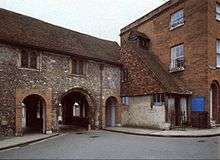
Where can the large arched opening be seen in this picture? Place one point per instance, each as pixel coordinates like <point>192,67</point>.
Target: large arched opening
<point>214,102</point>
<point>111,112</point>
<point>77,110</point>
<point>33,114</point>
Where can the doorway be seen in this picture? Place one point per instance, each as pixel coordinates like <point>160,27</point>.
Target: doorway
<point>33,114</point>
<point>214,102</point>
<point>75,111</point>
<point>110,112</point>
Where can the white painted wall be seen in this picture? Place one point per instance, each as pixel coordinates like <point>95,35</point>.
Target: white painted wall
<point>140,113</point>
<point>183,106</point>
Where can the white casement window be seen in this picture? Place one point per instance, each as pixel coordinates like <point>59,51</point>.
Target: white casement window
<point>125,101</point>
<point>218,53</point>
<point>177,19</point>
<point>218,12</point>
<point>177,57</point>
<point>158,99</point>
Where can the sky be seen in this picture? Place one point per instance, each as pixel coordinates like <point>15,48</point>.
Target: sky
<point>99,18</point>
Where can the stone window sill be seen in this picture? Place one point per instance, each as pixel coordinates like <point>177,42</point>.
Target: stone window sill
<point>78,75</point>
<point>173,28</point>
<point>29,69</point>
<point>173,70</point>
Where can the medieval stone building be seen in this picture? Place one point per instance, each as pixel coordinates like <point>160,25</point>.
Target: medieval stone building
<point>171,65</point>
<point>166,73</point>
<point>50,76</point>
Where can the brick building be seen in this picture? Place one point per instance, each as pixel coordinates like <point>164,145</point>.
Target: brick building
<point>50,76</point>
<point>169,58</point>
<point>171,65</point>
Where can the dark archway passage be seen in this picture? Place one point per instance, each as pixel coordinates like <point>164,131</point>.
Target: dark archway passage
<point>111,112</point>
<point>75,110</point>
<point>33,114</point>
<point>215,109</point>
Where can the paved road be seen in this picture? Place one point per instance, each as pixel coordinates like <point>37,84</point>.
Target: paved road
<point>109,145</point>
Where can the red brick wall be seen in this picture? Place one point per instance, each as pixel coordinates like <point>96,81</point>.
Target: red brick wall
<point>213,35</point>
<point>194,36</point>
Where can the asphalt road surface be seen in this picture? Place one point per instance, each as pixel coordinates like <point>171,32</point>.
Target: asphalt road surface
<point>107,145</point>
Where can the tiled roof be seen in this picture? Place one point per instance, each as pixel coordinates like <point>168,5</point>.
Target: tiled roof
<point>24,30</point>
<point>169,83</point>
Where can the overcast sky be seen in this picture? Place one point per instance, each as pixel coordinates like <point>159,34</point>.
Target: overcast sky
<point>100,18</point>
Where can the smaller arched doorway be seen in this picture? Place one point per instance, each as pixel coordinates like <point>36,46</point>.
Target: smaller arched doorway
<point>111,112</point>
<point>214,102</point>
<point>33,114</point>
<point>75,110</point>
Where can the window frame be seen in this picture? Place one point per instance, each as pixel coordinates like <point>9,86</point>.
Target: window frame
<point>124,75</point>
<point>216,11</point>
<point>174,57</point>
<point>79,72</point>
<point>125,100</point>
<point>29,53</point>
<point>181,20</point>
<point>217,53</point>
<point>158,99</point>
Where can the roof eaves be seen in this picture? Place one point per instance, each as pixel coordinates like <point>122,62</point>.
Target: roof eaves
<point>150,15</point>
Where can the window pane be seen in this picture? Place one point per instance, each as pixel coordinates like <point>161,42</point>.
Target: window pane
<point>33,60</point>
<point>218,60</point>
<point>218,46</point>
<point>24,59</point>
<point>177,18</point>
<point>177,56</point>
<point>80,67</point>
<point>217,8</point>
<point>218,16</point>
<point>218,12</point>
<point>125,101</point>
<point>124,75</point>
<point>74,66</point>
<point>122,100</point>
<point>181,50</point>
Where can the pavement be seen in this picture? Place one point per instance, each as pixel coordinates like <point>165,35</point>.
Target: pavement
<point>109,145</point>
<point>11,142</point>
<point>188,132</point>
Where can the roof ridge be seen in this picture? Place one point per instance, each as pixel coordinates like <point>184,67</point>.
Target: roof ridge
<point>54,25</point>
<point>23,30</point>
